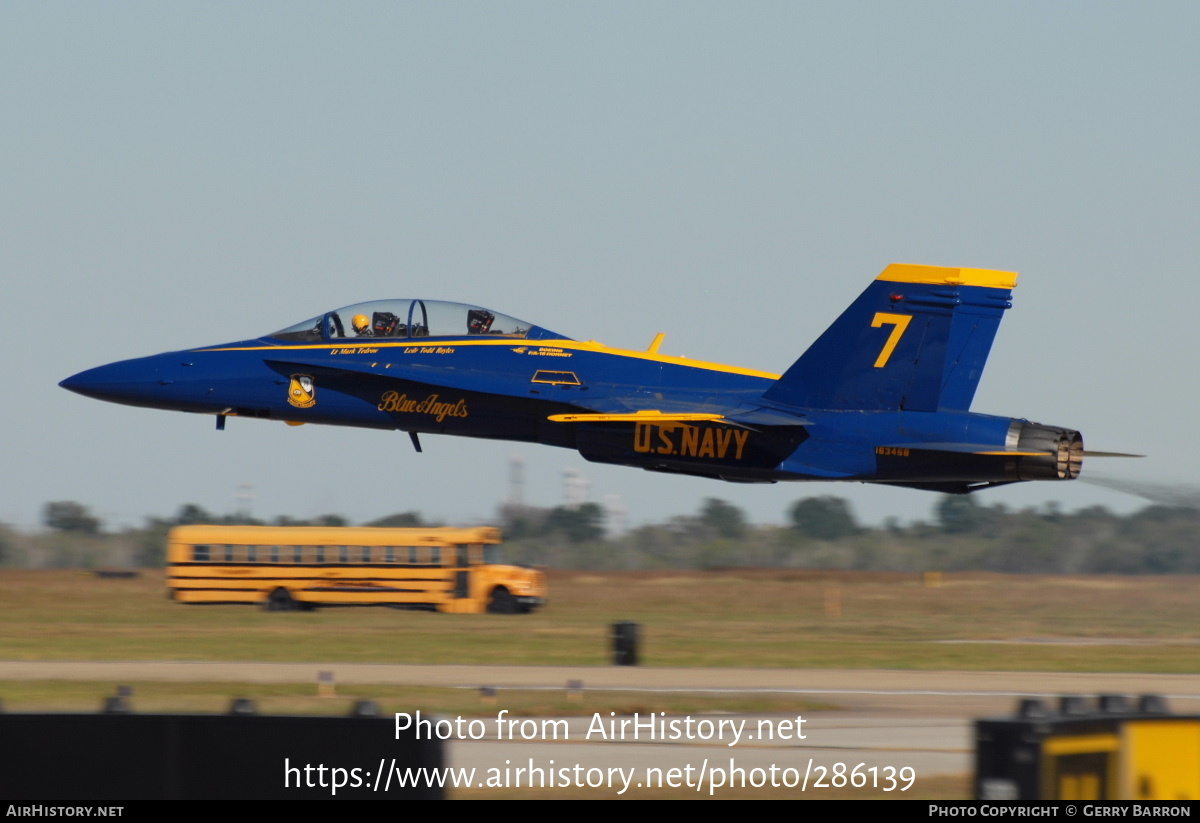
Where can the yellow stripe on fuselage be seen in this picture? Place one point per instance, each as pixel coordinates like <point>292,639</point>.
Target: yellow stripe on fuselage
<point>945,276</point>
<point>508,342</point>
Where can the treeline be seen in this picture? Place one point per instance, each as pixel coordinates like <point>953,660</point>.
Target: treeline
<point>822,533</point>
<point>76,537</point>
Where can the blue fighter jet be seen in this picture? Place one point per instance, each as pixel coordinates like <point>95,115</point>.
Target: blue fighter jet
<point>883,396</point>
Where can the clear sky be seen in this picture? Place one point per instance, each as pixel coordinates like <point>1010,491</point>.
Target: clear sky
<point>731,174</point>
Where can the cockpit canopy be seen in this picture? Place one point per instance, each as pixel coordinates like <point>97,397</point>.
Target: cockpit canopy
<point>403,319</point>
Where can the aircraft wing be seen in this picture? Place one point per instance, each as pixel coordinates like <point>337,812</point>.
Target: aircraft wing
<point>742,418</point>
<point>768,417</point>
<point>645,416</point>
<point>990,449</point>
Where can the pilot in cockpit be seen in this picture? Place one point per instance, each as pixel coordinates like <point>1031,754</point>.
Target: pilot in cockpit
<point>362,326</point>
<point>479,321</point>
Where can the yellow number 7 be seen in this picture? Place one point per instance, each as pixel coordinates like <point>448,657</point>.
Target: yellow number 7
<point>898,322</point>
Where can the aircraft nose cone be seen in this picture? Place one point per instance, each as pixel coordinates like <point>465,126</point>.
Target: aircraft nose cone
<point>90,383</point>
<point>75,383</point>
<point>134,382</point>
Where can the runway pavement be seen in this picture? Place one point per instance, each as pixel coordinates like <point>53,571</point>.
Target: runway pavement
<point>935,693</point>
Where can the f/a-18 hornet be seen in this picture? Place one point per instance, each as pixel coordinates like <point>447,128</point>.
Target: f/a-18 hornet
<point>883,396</point>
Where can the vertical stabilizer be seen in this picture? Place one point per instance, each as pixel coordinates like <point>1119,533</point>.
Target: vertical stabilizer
<point>917,339</point>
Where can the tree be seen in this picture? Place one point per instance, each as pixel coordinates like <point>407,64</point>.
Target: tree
<point>403,520</point>
<point>723,519</point>
<point>69,516</point>
<point>6,547</point>
<point>150,550</point>
<point>190,515</point>
<point>959,514</point>
<point>580,524</point>
<point>825,518</point>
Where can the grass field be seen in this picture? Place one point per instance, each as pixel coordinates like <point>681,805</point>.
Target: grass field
<point>752,618</point>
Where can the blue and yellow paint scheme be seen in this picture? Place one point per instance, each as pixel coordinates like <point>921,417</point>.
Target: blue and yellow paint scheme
<point>883,396</point>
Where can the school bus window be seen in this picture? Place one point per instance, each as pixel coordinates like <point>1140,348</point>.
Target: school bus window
<point>228,553</point>
<point>461,558</point>
<point>200,554</point>
<point>274,554</point>
<point>320,554</point>
<point>435,555</point>
<point>390,555</point>
<point>297,554</point>
<point>412,555</point>
<point>252,554</point>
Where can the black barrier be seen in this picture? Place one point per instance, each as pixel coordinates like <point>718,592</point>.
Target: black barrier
<point>625,643</point>
<point>149,757</point>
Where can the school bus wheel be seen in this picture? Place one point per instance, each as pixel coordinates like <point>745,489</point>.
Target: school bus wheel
<point>502,602</point>
<point>281,600</point>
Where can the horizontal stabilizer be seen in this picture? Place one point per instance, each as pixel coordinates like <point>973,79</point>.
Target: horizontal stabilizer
<point>967,448</point>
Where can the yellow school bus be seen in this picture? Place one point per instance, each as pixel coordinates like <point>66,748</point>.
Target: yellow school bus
<point>302,567</point>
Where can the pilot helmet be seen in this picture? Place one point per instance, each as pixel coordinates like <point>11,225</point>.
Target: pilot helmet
<point>361,323</point>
